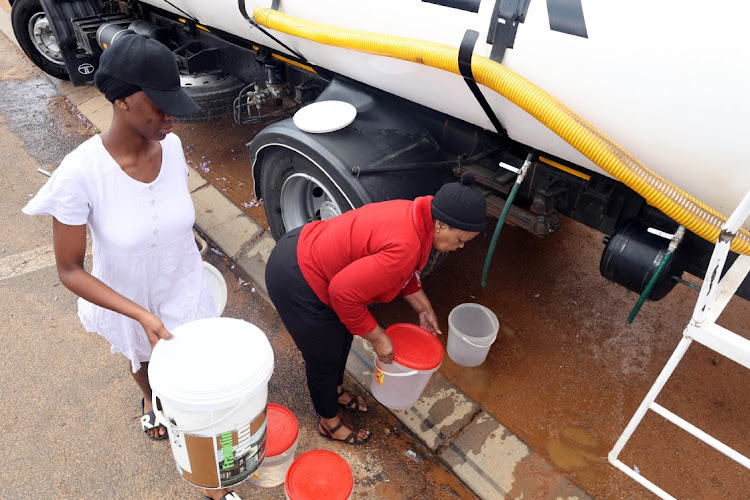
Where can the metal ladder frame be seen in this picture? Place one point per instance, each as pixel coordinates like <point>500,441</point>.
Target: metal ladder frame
<point>714,296</point>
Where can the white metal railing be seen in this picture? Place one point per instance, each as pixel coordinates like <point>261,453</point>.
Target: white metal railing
<point>702,328</point>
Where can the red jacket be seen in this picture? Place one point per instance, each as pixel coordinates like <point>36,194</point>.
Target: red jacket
<point>367,255</point>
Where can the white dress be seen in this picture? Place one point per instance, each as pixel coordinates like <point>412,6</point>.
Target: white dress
<point>143,243</point>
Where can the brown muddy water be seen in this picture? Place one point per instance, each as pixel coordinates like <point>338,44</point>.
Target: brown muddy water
<point>566,373</point>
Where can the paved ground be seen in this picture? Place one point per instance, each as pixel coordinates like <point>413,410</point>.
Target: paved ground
<point>472,444</point>
<point>70,413</point>
<point>564,378</point>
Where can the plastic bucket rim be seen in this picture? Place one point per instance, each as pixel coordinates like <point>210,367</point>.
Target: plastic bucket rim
<point>164,383</point>
<point>192,401</point>
<point>486,310</point>
<point>221,284</point>
<point>413,371</point>
<point>467,341</point>
<point>159,414</point>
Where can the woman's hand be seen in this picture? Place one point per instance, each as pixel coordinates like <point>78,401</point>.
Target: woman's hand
<point>381,343</point>
<point>421,305</point>
<point>428,321</point>
<point>154,328</point>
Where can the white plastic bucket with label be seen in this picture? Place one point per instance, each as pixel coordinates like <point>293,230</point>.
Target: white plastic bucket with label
<point>212,382</point>
<point>417,354</point>
<point>472,329</point>
<point>281,443</point>
<point>319,474</point>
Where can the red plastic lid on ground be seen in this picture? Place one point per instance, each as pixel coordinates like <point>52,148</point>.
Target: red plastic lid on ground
<point>414,347</point>
<point>282,429</point>
<point>319,474</point>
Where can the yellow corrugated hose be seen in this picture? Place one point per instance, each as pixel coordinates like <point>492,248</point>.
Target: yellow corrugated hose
<point>576,131</point>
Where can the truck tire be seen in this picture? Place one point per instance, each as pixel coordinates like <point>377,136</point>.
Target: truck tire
<point>296,191</point>
<point>34,33</point>
<point>215,97</point>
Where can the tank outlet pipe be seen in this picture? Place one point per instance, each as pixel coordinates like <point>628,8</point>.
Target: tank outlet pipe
<point>676,239</point>
<point>575,130</point>
<point>521,174</point>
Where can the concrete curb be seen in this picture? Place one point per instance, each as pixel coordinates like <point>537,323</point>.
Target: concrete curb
<point>470,442</point>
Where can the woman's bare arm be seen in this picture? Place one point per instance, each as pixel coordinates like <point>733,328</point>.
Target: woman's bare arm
<point>70,250</point>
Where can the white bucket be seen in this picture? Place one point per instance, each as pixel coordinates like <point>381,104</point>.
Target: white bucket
<point>281,443</point>
<point>417,354</point>
<point>317,475</point>
<point>218,286</point>
<point>472,329</point>
<point>212,381</point>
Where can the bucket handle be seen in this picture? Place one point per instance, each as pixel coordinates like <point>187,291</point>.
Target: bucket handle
<point>475,345</point>
<point>163,421</point>
<point>390,374</point>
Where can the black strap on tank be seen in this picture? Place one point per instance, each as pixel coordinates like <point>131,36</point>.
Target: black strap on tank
<point>275,5</point>
<point>465,53</point>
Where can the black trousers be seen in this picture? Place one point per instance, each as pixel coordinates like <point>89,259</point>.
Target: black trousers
<point>316,329</point>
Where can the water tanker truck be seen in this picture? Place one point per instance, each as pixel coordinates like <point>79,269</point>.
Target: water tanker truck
<point>628,117</point>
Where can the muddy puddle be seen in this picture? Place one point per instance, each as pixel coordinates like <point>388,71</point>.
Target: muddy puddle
<point>28,98</point>
<point>218,152</point>
<point>566,373</point>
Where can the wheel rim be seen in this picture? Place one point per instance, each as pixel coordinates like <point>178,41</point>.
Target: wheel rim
<point>304,199</point>
<point>41,35</point>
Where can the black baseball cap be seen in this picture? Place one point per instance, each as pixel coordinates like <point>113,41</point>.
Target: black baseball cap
<point>142,61</point>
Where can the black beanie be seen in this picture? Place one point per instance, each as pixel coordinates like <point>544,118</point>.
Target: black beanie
<point>461,206</point>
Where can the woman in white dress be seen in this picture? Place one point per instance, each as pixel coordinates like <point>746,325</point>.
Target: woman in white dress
<point>129,185</point>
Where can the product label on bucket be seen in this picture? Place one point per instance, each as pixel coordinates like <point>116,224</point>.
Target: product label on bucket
<point>179,449</point>
<point>223,460</point>
<point>379,376</point>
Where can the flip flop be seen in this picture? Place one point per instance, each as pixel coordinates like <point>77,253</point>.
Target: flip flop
<point>350,439</point>
<point>353,404</point>
<point>148,422</point>
<point>229,496</point>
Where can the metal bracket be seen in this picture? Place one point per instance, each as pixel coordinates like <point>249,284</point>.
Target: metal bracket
<point>506,16</point>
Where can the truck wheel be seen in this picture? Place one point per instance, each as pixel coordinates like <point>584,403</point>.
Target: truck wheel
<point>214,93</point>
<point>34,33</point>
<point>296,191</point>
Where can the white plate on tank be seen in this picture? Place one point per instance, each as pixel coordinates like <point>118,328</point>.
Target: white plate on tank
<point>325,116</point>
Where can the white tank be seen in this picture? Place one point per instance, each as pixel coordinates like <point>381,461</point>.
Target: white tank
<point>667,80</point>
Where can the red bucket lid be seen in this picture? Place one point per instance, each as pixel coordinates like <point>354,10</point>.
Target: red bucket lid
<point>282,429</point>
<point>414,347</point>
<point>319,474</point>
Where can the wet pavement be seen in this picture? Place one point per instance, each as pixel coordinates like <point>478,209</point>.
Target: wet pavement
<point>566,373</point>
<point>564,376</point>
<point>70,412</point>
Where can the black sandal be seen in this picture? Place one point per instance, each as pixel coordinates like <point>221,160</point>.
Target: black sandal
<point>353,404</point>
<point>350,439</point>
<point>148,422</point>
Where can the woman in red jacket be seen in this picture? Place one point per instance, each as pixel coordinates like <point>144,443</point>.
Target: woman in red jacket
<point>322,276</point>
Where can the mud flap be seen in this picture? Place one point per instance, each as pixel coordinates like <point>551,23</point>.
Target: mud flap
<point>60,13</point>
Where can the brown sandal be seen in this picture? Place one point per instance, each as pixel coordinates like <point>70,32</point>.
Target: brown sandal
<point>350,439</point>
<point>353,404</point>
